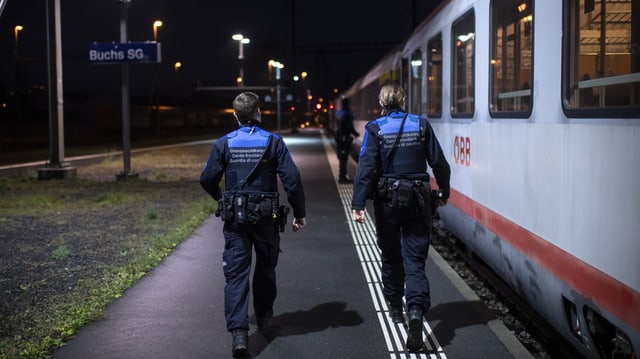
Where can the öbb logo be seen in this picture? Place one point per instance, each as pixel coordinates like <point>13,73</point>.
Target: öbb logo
<point>462,150</point>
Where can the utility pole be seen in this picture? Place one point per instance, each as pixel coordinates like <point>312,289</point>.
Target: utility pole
<point>126,133</point>
<point>56,168</point>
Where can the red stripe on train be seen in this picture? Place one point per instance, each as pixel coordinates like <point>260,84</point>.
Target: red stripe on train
<point>617,298</point>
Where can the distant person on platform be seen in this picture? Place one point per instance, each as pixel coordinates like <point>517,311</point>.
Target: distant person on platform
<point>251,159</point>
<point>345,133</point>
<point>393,170</point>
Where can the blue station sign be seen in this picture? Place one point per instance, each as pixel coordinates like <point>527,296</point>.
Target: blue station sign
<point>130,52</point>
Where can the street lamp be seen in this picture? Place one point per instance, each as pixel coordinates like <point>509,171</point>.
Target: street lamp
<point>307,92</point>
<point>156,25</point>
<point>278,66</point>
<point>270,68</point>
<point>16,53</point>
<point>176,68</point>
<point>16,30</point>
<point>303,75</point>
<point>241,41</point>
<point>154,90</point>
<point>16,59</point>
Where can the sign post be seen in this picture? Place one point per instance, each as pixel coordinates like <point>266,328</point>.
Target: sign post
<point>124,53</point>
<point>126,134</point>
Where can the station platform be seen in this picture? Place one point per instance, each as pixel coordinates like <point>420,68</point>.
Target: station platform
<point>329,302</point>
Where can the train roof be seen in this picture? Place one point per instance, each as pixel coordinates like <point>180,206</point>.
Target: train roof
<point>389,61</point>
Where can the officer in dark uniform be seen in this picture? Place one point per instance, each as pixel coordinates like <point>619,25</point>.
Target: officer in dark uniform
<point>393,169</point>
<point>344,139</point>
<point>251,159</point>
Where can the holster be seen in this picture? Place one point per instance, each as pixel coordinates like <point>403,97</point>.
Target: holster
<point>401,193</point>
<point>245,208</point>
<point>283,214</point>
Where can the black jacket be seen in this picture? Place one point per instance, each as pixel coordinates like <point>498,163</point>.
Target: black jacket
<point>418,146</point>
<point>236,154</point>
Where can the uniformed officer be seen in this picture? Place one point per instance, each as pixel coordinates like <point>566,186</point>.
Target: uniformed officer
<point>251,159</point>
<point>344,139</point>
<point>393,169</point>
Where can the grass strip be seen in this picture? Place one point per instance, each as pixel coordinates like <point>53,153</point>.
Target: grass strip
<point>72,247</point>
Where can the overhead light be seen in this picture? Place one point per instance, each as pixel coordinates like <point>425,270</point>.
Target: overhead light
<point>466,37</point>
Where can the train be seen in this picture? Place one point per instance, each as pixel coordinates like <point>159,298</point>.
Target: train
<point>536,104</point>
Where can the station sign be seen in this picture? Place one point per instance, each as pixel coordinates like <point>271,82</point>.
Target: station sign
<point>130,52</point>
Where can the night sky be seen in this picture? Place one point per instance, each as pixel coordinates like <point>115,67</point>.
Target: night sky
<point>334,42</point>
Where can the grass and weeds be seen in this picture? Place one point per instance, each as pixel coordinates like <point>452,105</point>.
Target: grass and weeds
<point>71,247</point>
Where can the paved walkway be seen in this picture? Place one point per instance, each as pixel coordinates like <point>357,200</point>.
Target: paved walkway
<point>328,303</point>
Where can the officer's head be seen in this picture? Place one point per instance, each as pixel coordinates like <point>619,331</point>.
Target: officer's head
<point>392,98</point>
<point>246,108</point>
<point>345,103</point>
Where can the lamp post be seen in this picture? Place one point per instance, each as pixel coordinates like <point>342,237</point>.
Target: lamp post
<point>55,168</point>
<point>154,89</point>
<point>176,69</point>
<point>241,41</point>
<point>156,25</point>
<point>16,54</point>
<point>278,66</point>
<point>16,30</point>
<point>16,58</point>
<point>270,69</point>
<point>302,78</point>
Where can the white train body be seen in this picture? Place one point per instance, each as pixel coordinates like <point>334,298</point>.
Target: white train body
<point>546,192</point>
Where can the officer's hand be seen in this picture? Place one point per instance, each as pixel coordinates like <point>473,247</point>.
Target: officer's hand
<point>298,223</point>
<point>358,215</point>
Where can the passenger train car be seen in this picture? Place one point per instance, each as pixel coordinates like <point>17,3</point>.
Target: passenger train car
<point>536,104</point>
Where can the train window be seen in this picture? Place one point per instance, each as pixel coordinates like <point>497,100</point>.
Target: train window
<point>510,64</point>
<point>463,60</point>
<point>415,82</point>
<point>601,73</point>
<point>434,77</point>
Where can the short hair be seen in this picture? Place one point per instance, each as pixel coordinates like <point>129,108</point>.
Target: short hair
<point>392,96</point>
<point>246,106</point>
<point>345,103</point>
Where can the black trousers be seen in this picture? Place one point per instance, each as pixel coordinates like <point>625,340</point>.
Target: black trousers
<point>343,149</point>
<point>240,241</point>
<point>404,246</point>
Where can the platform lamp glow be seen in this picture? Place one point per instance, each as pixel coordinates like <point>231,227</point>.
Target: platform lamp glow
<point>278,66</point>
<point>241,42</point>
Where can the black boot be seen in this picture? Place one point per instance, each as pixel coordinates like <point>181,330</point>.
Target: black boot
<point>263,320</point>
<point>395,312</point>
<point>414,339</point>
<point>240,343</point>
